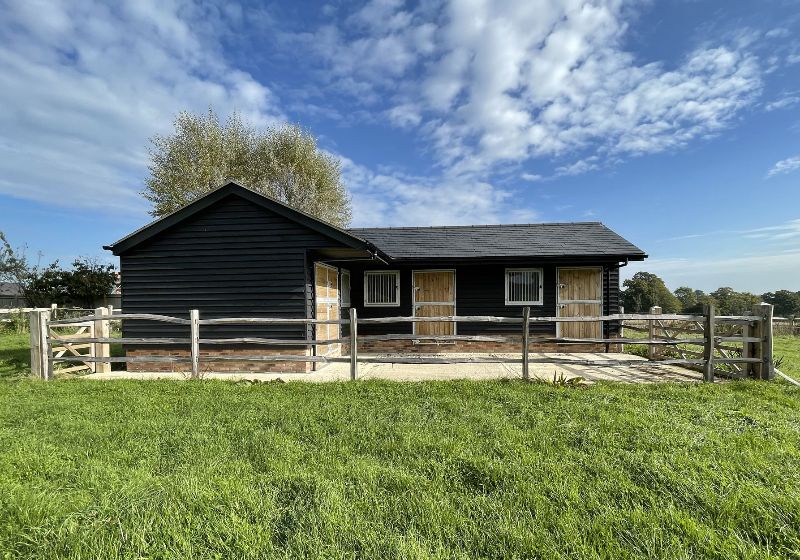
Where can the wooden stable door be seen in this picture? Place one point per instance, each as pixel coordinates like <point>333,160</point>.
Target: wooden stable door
<point>580,294</point>
<point>326,291</point>
<point>434,296</point>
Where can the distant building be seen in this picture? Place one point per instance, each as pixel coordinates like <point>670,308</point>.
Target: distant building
<point>11,295</point>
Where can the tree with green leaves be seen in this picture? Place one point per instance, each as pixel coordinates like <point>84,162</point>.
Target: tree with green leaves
<point>730,302</point>
<point>86,283</point>
<point>646,290</point>
<point>688,299</point>
<point>283,162</point>
<point>786,302</point>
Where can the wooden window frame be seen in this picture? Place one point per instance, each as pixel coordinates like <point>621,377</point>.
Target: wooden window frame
<point>368,273</point>
<point>540,271</point>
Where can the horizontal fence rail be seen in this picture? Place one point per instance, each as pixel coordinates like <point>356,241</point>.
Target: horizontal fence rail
<point>666,336</point>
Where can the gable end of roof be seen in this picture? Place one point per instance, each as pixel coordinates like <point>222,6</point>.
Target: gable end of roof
<point>232,188</point>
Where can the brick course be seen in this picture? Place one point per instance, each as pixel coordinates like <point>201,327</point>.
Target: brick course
<point>466,347</point>
<point>227,366</point>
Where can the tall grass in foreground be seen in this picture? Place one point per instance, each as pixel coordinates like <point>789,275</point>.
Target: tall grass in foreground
<point>388,470</point>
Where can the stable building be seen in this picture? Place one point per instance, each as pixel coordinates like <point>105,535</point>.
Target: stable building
<point>237,253</point>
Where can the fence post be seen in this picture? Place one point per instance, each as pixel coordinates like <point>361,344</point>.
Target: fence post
<point>41,366</point>
<point>353,344</point>
<point>194,323</point>
<point>526,335</point>
<point>101,349</point>
<point>621,328</point>
<point>652,352</point>
<point>36,344</point>
<point>709,334</point>
<point>766,312</point>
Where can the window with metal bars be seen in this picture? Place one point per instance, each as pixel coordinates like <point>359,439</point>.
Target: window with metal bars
<point>523,286</point>
<point>382,288</point>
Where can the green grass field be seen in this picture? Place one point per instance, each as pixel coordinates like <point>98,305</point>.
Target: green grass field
<point>215,469</point>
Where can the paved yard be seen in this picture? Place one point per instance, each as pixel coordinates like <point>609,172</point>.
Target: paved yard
<point>645,373</point>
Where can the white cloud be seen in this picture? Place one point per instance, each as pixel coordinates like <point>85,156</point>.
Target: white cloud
<point>550,79</point>
<point>531,177</point>
<point>783,102</point>
<point>394,199</point>
<point>495,82</point>
<point>84,85</point>
<point>784,166</point>
<point>757,273</point>
<point>757,259</point>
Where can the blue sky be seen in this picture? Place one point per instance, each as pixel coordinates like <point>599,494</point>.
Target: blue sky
<point>676,122</point>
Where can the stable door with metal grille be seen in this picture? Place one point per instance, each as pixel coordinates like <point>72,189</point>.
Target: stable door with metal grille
<point>434,296</point>
<point>580,294</point>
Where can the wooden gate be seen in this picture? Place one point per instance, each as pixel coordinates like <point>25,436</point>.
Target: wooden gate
<point>326,290</point>
<point>434,296</point>
<point>72,348</point>
<point>580,294</point>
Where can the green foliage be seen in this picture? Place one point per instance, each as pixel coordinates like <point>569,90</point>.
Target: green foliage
<point>691,301</point>
<point>283,162</point>
<point>730,302</point>
<point>84,284</point>
<point>457,470</point>
<point>40,286</point>
<point>646,290</point>
<point>88,281</point>
<point>786,302</point>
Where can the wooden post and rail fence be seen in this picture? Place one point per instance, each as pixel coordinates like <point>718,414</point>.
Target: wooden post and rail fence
<point>730,346</point>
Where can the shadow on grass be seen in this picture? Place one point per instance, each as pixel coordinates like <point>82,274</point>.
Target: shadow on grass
<point>15,355</point>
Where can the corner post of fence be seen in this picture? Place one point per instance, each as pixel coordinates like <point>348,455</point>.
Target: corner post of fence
<point>526,335</point>
<point>194,352</point>
<point>652,351</point>
<point>622,327</point>
<point>709,333</point>
<point>101,350</point>
<point>34,318</point>
<point>766,312</point>
<point>41,364</point>
<point>353,344</point>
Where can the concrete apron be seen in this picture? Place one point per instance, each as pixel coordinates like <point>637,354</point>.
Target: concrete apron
<point>645,373</point>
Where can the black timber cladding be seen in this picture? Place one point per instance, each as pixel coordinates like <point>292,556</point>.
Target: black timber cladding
<point>480,290</point>
<point>234,252</point>
<point>578,239</point>
<point>232,259</point>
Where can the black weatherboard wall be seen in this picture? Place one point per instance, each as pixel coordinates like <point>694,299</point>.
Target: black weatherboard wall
<point>236,253</point>
<point>480,290</point>
<point>232,259</point>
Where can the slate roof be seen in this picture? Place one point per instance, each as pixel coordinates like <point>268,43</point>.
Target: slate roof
<point>512,240</point>
<point>10,289</point>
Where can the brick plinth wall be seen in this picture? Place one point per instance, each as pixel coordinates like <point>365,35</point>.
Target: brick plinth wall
<point>227,366</point>
<point>466,347</point>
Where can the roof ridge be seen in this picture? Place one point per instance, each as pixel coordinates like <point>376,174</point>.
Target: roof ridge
<point>479,225</point>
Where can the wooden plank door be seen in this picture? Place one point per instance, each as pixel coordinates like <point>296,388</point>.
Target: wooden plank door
<point>434,296</point>
<point>326,293</point>
<point>580,294</point>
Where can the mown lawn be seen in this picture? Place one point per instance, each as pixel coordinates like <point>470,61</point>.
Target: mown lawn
<point>787,352</point>
<point>387,470</point>
<point>15,354</point>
